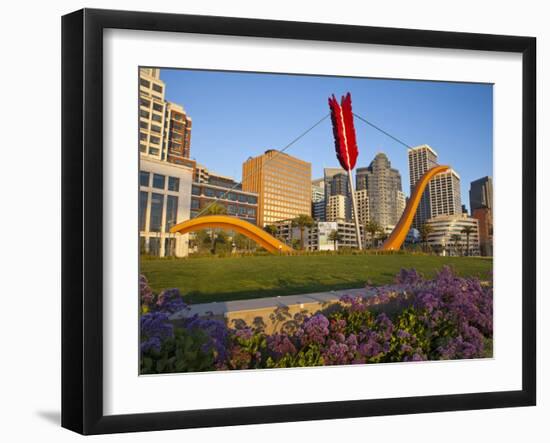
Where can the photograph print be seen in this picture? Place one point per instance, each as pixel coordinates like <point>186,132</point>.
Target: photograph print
<point>291,221</point>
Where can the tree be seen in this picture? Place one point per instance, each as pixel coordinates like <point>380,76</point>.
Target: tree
<point>372,228</point>
<point>425,230</point>
<point>303,221</point>
<point>214,209</point>
<point>334,237</point>
<point>468,230</point>
<point>271,230</point>
<point>456,239</point>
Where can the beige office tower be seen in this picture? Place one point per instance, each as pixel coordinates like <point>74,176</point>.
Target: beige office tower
<point>362,200</point>
<point>337,208</point>
<point>445,194</point>
<point>283,185</point>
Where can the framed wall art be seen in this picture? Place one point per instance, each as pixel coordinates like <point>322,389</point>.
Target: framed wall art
<point>269,221</point>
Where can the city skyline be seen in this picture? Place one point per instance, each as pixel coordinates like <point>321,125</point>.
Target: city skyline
<point>229,116</point>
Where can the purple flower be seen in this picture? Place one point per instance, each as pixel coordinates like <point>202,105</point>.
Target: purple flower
<point>170,300</point>
<point>154,329</point>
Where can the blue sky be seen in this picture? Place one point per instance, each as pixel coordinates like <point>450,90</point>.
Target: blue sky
<point>237,115</point>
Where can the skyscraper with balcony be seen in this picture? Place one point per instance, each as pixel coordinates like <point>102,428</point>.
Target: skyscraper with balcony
<point>421,159</point>
<point>164,127</point>
<point>385,193</point>
<point>283,185</point>
<point>444,191</point>
<point>152,109</point>
<point>337,183</point>
<point>177,134</point>
<point>338,208</point>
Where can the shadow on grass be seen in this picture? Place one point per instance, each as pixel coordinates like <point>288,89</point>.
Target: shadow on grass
<point>195,297</point>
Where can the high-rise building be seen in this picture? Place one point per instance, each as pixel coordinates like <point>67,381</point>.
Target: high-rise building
<point>444,191</point>
<point>448,236</point>
<point>337,183</point>
<point>484,217</point>
<point>421,159</point>
<point>318,209</point>
<point>283,185</point>
<point>164,127</point>
<point>151,113</point>
<point>363,206</point>
<point>481,193</point>
<point>177,134</point>
<point>338,208</point>
<point>385,193</point>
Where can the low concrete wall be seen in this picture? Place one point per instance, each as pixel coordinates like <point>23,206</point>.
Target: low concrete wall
<point>271,313</point>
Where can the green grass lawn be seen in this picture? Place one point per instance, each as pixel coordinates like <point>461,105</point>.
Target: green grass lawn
<point>203,280</point>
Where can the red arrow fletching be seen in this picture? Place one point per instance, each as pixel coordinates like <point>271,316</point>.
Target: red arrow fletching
<point>345,142</point>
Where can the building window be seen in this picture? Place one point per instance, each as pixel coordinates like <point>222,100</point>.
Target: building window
<point>209,192</point>
<point>171,211</point>
<point>173,184</point>
<point>232,196</point>
<point>158,181</point>
<point>158,107</point>
<point>194,203</point>
<point>252,200</point>
<point>142,148</point>
<point>156,117</point>
<point>142,248</point>
<point>195,190</point>
<point>143,125</point>
<point>242,198</point>
<point>157,88</point>
<point>155,221</point>
<point>144,82</point>
<point>144,102</point>
<point>143,178</point>
<point>231,209</point>
<point>155,128</point>
<point>153,151</point>
<point>154,140</point>
<point>154,246</point>
<point>143,113</point>
<point>142,209</point>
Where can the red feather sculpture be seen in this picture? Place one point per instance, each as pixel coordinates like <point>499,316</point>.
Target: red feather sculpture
<point>346,146</point>
<point>344,131</point>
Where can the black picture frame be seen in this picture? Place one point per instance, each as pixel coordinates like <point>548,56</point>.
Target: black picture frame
<point>82,218</point>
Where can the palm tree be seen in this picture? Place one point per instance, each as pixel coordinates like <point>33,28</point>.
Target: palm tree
<point>214,209</point>
<point>468,230</point>
<point>425,230</point>
<point>456,239</point>
<point>335,237</point>
<point>372,228</point>
<point>303,221</point>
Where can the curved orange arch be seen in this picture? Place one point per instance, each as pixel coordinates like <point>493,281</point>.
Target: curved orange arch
<point>398,235</point>
<point>253,232</point>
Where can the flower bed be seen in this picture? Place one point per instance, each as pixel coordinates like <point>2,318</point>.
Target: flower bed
<point>414,319</point>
